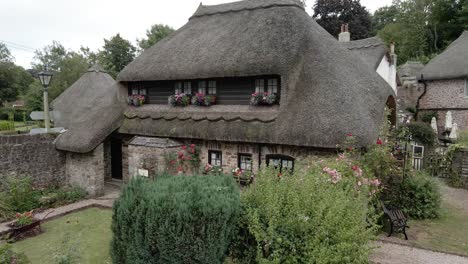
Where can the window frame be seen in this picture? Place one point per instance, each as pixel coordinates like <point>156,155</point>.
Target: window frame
<point>210,160</point>
<point>274,85</point>
<point>210,88</point>
<point>239,160</point>
<point>202,88</point>
<point>281,158</point>
<point>259,85</point>
<point>178,88</point>
<point>466,88</point>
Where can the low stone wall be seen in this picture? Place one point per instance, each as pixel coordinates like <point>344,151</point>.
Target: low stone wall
<point>33,156</point>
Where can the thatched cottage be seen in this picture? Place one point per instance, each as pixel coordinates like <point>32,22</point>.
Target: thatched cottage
<point>315,91</point>
<point>444,81</point>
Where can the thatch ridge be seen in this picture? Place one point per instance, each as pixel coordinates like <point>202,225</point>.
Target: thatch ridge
<point>371,50</point>
<point>327,91</point>
<point>450,64</point>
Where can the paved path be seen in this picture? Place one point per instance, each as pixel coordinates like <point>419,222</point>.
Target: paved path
<point>111,193</point>
<point>389,253</point>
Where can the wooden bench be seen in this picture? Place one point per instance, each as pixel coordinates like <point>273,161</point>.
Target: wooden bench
<point>397,220</point>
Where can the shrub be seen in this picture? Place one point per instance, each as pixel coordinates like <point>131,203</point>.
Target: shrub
<point>315,216</point>
<point>6,212</point>
<point>20,194</point>
<point>422,132</point>
<point>8,256</point>
<point>178,219</point>
<point>426,117</point>
<point>420,196</point>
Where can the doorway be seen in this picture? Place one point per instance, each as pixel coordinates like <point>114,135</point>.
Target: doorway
<point>116,158</point>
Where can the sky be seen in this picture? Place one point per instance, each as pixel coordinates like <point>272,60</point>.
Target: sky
<point>28,25</point>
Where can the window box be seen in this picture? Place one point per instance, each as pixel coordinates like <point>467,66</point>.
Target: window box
<point>203,99</point>
<point>136,100</point>
<point>179,100</point>
<point>242,176</point>
<point>263,99</point>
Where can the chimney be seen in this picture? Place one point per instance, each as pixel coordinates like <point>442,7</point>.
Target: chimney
<point>344,36</point>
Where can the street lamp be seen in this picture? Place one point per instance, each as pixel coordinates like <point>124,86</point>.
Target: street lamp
<point>45,76</point>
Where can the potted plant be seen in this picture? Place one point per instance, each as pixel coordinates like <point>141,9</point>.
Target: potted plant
<point>263,99</point>
<point>201,99</point>
<point>24,222</point>
<point>136,100</point>
<point>179,100</point>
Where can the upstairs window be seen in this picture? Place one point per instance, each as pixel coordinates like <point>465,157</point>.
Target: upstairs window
<point>212,87</point>
<point>183,87</point>
<point>259,86</point>
<point>466,88</point>
<point>280,162</point>
<point>202,87</point>
<point>245,162</point>
<point>215,158</point>
<point>272,86</point>
<point>138,89</point>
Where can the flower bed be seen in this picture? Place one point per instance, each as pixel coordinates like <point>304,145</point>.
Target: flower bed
<point>179,100</point>
<point>136,100</point>
<point>203,99</point>
<point>263,99</point>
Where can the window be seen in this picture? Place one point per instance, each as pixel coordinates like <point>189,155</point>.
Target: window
<point>245,162</point>
<point>138,89</point>
<point>212,87</point>
<point>272,86</point>
<point>466,88</point>
<point>280,162</point>
<point>259,86</point>
<point>187,87</point>
<point>202,87</point>
<point>178,88</point>
<point>215,158</point>
<point>134,91</point>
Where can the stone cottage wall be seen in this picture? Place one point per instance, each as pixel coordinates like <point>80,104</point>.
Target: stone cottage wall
<point>33,156</point>
<point>89,170</point>
<point>446,95</point>
<point>460,165</point>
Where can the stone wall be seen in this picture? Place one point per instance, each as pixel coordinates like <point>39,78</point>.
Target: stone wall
<point>152,158</point>
<point>89,170</point>
<point>460,165</point>
<point>34,156</point>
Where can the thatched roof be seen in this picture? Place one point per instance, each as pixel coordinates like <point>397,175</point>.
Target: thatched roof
<point>410,69</point>
<point>371,50</point>
<point>326,90</point>
<point>450,64</point>
<point>90,110</point>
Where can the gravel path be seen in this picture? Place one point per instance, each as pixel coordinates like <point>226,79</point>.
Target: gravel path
<point>388,253</point>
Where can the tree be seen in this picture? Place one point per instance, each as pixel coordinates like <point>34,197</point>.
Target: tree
<point>5,54</point>
<point>155,34</point>
<point>116,54</point>
<point>331,14</point>
<point>14,81</point>
<point>384,16</point>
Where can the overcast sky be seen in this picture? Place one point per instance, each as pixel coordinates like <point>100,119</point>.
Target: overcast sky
<point>27,25</point>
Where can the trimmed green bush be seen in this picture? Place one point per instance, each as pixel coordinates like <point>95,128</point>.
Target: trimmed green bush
<point>422,132</point>
<point>175,219</point>
<point>420,197</point>
<point>305,218</point>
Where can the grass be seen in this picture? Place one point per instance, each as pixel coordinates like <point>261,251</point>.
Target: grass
<point>449,232</point>
<point>83,236</point>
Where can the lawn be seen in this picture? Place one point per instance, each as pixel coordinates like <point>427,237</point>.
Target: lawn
<point>83,235</point>
<point>449,233</point>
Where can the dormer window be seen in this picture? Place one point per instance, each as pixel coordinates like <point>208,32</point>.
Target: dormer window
<point>183,87</point>
<point>259,86</point>
<point>272,86</point>
<point>202,87</point>
<point>207,87</point>
<point>212,87</point>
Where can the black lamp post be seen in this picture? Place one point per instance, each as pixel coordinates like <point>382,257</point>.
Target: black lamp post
<point>45,76</point>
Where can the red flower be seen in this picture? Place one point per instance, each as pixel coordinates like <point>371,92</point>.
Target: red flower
<point>350,148</point>
<point>180,168</point>
<point>181,154</point>
<point>379,141</point>
<point>184,147</point>
<point>192,146</point>
<point>355,168</point>
<point>349,135</point>
<point>280,174</point>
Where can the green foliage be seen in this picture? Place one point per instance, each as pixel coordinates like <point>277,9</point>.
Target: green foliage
<point>14,81</point>
<point>331,14</point>
<point>305,218</point>
<point>426,117</point>
<point>462,139</point>
<point>178,219</point>
<point>383,16</point>
<point>6,125</point>
<point>155,34</point>
<point>6,212</point>
<point>422,132</point>
<point>420,197</point>
<point>116,54</point>
<point>20,194</point>
<point>8,256</point>
<point>5,54</point>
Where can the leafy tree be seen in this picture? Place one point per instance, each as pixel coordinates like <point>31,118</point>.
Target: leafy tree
<point>331,14</point>
<point>116,54</point>
<point>5,54</point>
<point>155,34</point>
<point>384,16</point>
<point>14,81</point>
